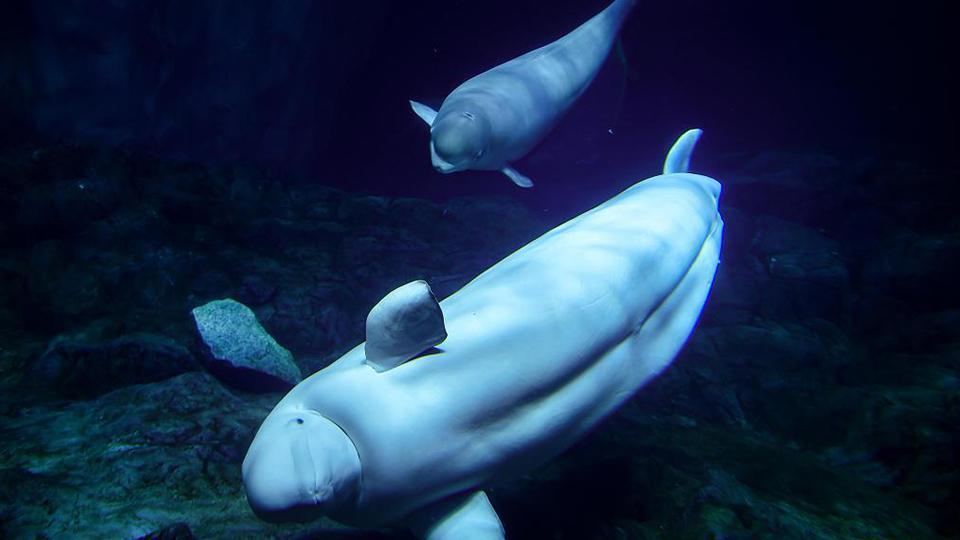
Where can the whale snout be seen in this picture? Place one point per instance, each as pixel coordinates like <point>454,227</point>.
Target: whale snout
<point>439,164</point>
<point>279,482</point>
<point>301,466</point>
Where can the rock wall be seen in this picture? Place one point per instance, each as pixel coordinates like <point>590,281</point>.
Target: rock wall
<point>218,81</point>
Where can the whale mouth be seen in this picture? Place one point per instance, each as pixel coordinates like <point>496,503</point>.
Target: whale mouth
<point>439,164</point>
<point>277,496</point>
<point>302,467</point>
<point>305,468</point>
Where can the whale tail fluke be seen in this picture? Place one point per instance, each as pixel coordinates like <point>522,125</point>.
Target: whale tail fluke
<point>678,158</point>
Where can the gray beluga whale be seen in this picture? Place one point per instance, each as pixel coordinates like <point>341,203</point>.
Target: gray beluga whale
<point>499,115</point>
<point>504,374</point>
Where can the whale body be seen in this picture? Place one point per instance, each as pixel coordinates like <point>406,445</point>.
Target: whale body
<point>528,357</point>
<point>500,115</point>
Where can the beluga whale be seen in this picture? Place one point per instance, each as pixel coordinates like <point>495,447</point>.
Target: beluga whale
<point>445,398</point>
<point>498,116</point>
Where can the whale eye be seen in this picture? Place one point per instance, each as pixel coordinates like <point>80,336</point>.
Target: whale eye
<point>468,115</point>
<point>299,420</point>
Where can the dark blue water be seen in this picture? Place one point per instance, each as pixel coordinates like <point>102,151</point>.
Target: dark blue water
<point>156,156</point>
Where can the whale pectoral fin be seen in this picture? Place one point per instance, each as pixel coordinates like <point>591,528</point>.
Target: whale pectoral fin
<point>458,517</point>
<point>423,111</point>
<point>406,322</point>
<point>517,178</point>
<point>678,158</point>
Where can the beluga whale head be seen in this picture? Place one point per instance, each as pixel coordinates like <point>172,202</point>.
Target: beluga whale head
<point>301,466</point>
<point>458,140</point>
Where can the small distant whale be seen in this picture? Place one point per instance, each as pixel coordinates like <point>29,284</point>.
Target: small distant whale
<point>445,398</point>
<point>501,114</point>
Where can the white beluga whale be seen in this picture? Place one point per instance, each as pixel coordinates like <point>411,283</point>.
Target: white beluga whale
<point>445,398</point>
<point>498,116</point>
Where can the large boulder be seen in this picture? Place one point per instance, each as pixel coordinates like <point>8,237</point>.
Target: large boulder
<point>239,351</point>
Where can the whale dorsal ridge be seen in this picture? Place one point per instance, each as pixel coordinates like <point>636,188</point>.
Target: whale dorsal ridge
<point>406,322</point>
<point>678,158</point>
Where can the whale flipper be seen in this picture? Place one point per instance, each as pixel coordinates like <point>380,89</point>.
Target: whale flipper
<point>678,158</point>
<point>406,322</point>
<point>466,516</point>
<point>423,111</point>
<point>518,178</point>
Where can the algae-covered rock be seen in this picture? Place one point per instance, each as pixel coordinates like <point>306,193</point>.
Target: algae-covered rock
<point>134,462</point>
<point>240,351</point>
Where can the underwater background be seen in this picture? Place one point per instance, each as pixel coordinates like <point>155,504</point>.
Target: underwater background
<point>155,156</point>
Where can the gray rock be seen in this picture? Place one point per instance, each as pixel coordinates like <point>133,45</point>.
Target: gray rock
<point>59,285</point>
<point>921,268</point>
<point>241,352</point>
<point>768,345</point>
<point>364,209</point>
<point>797,186</point>
<point>930,331</point>
<point>315,318</point>
<point>806,270</point>
<point>177,531</point>
<point>82,366</point>
<point>793,251</point>
<point>66,206</point>
<point>256,289</point>
<point>700,480</point>
<point>268,233</point>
